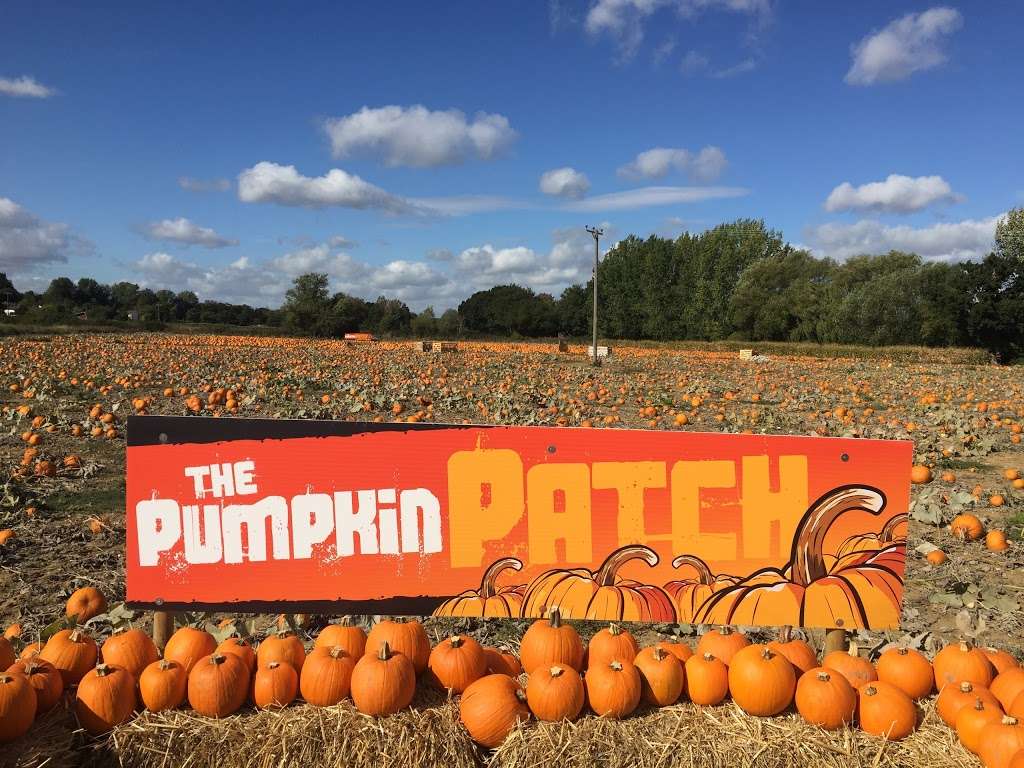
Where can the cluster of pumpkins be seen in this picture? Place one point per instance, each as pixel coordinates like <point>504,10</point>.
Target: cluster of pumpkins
<point>981,690</point>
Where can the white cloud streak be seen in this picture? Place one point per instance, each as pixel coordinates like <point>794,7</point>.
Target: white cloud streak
<point>705,166</point>
<point>647,197</point>
<point>969,239</point>
<point>25,87</point>
<point>186,232</point>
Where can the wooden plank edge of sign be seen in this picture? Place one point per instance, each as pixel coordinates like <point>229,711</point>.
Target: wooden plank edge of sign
<point>393,606</point>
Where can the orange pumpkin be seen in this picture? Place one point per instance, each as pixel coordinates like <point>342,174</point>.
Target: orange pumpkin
<point>612,642</point>
<point>908,670</point>
<point>761,681</point>
<point>1000,742</point>
<point>491,707</point>
<point>163,685</point>
<point>884,710</point>
<point>502,662</point>
<point>661,676</point>
<point>707,679</point>
<point>132,650</point>
<point>457,662</point>
<point>71,651</point>
<point>490,600</point>
<point>613,689</point>
<point>44,678</point>
<point>343,635</point>
<point>860,593</point>
<point>972,719</point>
<point>17,706</point>
<point>798,653</point>
<point>188,645</point>
<point>959,662</point>
<point>555,693</point>
<point>105,698</point>
<point>85,603</point>
<point>405,637</point>
<point>690,594</point>
<point>581,593</point>
<point>855,668</point>
<point>722,643</point>
<point>825,699</point>
<point>275,685</point>
<point>549,642</point>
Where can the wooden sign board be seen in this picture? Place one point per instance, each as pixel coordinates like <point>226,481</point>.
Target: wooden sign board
<point>634,525</point>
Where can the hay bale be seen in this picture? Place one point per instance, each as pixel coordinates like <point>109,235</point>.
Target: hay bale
<point>703,737</point>
<point>428,734</point>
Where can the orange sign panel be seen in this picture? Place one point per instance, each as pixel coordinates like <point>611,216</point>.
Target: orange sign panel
<point>633,525</point>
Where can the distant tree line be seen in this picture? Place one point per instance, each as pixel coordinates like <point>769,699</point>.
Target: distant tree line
<point>736,281</point>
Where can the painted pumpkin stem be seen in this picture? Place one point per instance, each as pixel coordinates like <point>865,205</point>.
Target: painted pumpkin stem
<point>605,576</point>
<point>487,586</point>
<point>807,558</point>
<point>888,533</point>
<point>703,571</point>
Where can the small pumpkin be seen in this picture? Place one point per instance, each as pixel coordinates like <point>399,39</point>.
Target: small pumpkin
<point>85,603</point>
<point>188,645</point>
<point>681,651</point>
<point>7,654</point>
<point>761,681</point>
<point>1000,659</point>
<point>242,649</point>
<point>344,635</point>
<point>723,644</point>
<point>884,710</point>
<point>966,527</point>
<point>962,661</point>
<point>44,678</point>
<point>383,683</point>
<point>955,697</point>
<point>405,637</point>
<point>163,685</point>
<point>105,698</point>
<point>548,641</point>
<point>132,650</point>
<point>613,689</point>
<point>855,668</point>
<point>326,677</point>
<point>283,646</point>
<point>581,593</point>
<point>908,670</point>
<point>456,662</point>
<point>662,678</point>
<point>1008,685</point>
<point>218,684</point>
<point>612,642</point>
<point>797,652</point>
<point>825,699</point>
<point>502,662</point>
<point>490,600</point>
<point>275,685</point>
<point>555,693</point>
<point>17,706</point>
<point>72,652</point>
<point>491,707</point>
<point>972,719</point>
<point>690,594</point>
<point>707,679</point>
<point>1000,742</point>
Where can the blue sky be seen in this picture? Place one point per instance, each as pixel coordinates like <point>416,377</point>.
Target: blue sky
<point>426,150</point>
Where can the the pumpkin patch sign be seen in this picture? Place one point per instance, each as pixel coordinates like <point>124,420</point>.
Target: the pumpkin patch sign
<point>463,520</point>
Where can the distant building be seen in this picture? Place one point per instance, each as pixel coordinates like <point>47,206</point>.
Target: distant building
<point>133,315</point>
<point>10,312</point>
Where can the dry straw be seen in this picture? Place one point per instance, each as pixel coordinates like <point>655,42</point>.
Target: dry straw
<point>430,735</point>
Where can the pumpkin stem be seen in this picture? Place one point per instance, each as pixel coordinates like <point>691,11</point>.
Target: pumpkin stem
<point>614,630</point>
<point>5,679</point>
<point>870,690</point>
<point>1007,720</point>
<point>785,634</point>
<point>606,574</point>
<point>616,666</point>
<point>166,664</point>
<point>102,670</point>
<point>767,653</point>
<point>273,665</point>
<point>888,533</point>
<point>806,559</point>
<point>455,641</point>
<point>979,705</point>
<point>824,677</point>
<point>556,671</point>
<point>337,651</point>
<point>75,636</point>
<point>703,571</point>
<point>555,616</point>
<point>658,653</point>
<point>385,651</point>
<point>966,686</point>
<point>218,658</point>
<point>709,657</point>
<point>487,586</point>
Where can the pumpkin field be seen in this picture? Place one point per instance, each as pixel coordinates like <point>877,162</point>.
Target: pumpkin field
<point>467,691</point>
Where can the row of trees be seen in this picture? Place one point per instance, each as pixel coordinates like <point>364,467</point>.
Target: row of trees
<point>736,281</point>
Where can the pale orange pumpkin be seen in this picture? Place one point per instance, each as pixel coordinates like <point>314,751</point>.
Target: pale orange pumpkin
<point>490,600</point>
<point>690,594</point>
<point>581,593</point>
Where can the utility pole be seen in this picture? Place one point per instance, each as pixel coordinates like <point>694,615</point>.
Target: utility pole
<point>596,234</point>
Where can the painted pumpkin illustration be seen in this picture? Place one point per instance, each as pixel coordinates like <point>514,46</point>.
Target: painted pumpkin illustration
<point>490,600</point>
<point>857,549</point>
<point>581,593</point>
<point>860,593</point>
<point>690,594</point>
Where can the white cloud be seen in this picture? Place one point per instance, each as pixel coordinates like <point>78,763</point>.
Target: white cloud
<point>693,63</point>
<point>707,165</point>
<point>646,197</point>
<point>25,87</point>
<point>338,241</point>
<point>907,45</point>
<point>897,194</point>
<point>747,65</point>
<point>564,182</point>
<point>944,241</point>
<point>268,182</point>
<point>181,230</point>
<point>623,20</point>
<point>419,137</point>
<point>203,185</point>
<point>26,241</point>
<point>462,205</point>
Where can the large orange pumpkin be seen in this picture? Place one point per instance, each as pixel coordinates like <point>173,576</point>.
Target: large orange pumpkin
<point>864,593</point>
<point>490,600</point>
<point>690,594</point>
<point>581,593</point>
